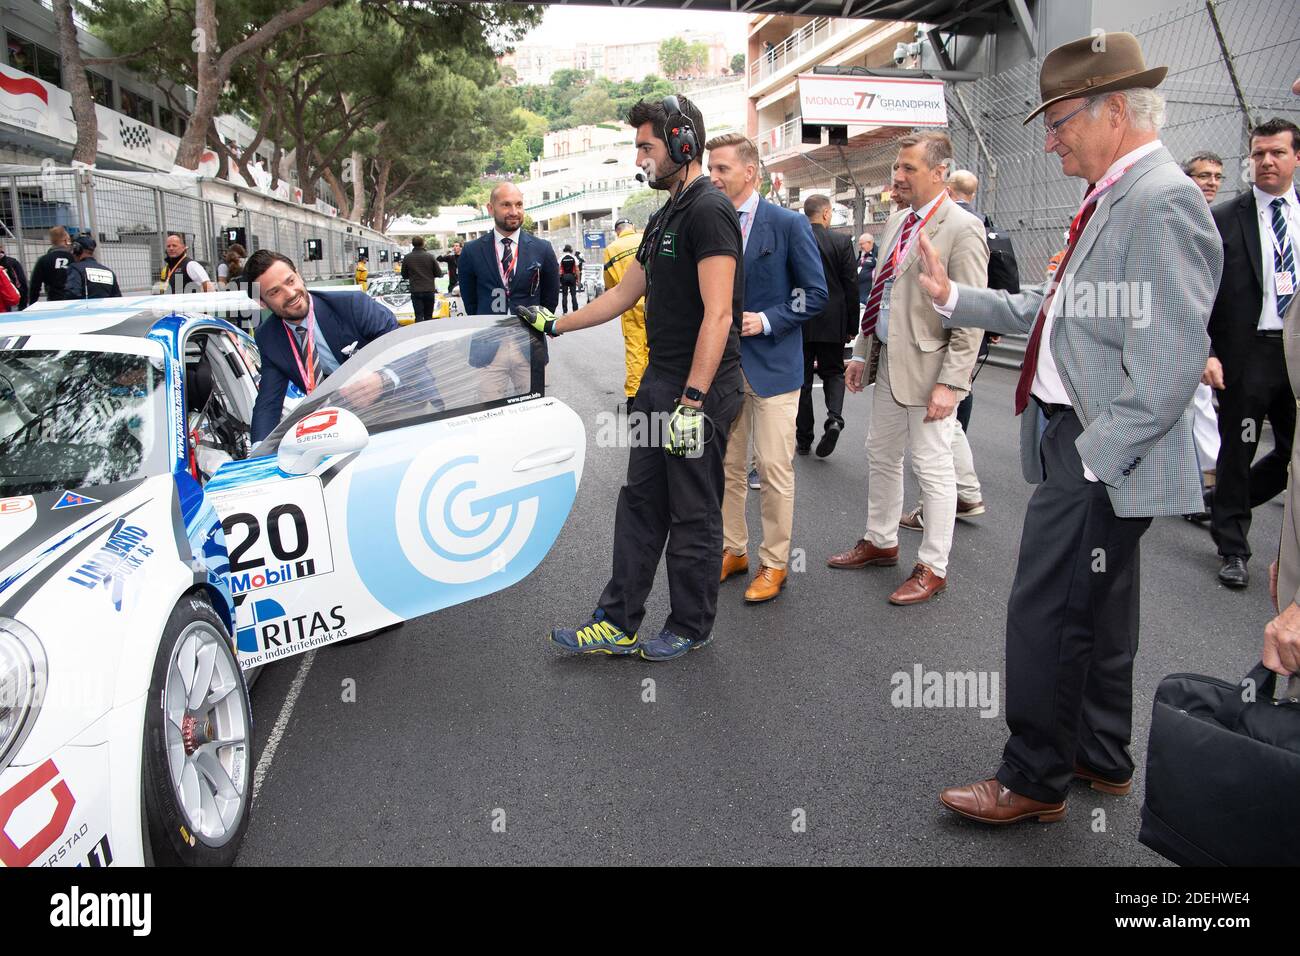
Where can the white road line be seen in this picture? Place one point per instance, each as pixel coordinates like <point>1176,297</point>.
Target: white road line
<point>286,711</point>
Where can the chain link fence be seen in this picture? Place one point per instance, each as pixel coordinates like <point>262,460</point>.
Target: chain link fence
<point>130,221</point>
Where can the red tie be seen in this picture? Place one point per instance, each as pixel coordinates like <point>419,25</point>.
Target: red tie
<point>1029,366</point>
<point>884,274</point>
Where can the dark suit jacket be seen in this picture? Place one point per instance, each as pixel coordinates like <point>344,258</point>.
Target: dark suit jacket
<point>780,257</point>
<point>1241,292</point>
<point>866,275</point>
<point>536,279</point>
<point>838,322</point>
<point>349,321</point>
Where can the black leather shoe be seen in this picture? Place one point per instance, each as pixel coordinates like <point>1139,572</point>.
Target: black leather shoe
<point>1234,573</point>
<point>801,449</point>
<point>829,438</point>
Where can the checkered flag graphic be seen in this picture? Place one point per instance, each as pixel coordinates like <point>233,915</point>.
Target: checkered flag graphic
<point>134,135</point>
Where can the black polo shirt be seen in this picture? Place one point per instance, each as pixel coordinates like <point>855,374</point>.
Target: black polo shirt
<point>701,224</point>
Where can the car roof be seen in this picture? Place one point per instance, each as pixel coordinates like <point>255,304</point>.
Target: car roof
<point>130,316</point>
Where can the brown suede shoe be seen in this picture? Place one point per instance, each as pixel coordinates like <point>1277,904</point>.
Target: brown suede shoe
<point>921,586</point>
<point>864,553</point>
<point>1101,784</point>
<point>766,585</point>
<point>733,564</point>
<point>990,802</point>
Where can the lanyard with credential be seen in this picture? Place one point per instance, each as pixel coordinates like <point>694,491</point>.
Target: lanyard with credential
<point>309,373</point>
<point>1279,247</point>
<point>900,253</point>
<point>167,277</point>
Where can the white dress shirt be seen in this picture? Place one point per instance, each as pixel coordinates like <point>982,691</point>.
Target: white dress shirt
<point>1269,320</point>
<point>882,320</point>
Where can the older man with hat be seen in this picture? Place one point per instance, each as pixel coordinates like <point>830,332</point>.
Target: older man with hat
<point>1106,434</point>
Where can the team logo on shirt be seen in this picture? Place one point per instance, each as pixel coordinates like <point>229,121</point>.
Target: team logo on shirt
<point>668,245</point>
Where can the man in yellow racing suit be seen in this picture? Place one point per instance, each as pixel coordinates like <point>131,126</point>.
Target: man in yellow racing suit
<point>618,255</point>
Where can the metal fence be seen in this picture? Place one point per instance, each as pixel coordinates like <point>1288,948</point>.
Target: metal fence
<point>130,221</point>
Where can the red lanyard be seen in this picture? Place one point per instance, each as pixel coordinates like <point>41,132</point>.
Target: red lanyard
<point>309,373</point>
<point>901,253</point>
<point>508,271</point>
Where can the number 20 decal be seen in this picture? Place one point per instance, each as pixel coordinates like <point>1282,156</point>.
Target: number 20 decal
<point>275,534</point>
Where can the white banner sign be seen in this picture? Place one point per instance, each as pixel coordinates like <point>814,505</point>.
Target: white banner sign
<point>872,101</point>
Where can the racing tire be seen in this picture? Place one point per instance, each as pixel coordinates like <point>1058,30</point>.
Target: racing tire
<point>197,777</point>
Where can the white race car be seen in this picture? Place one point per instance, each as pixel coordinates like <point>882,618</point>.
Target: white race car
<point>150,560</point>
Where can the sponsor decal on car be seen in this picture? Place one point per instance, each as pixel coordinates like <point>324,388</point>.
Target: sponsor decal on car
<point>26,806</point>
<point>276,534</point>
<point>271,632</point>
<point>316,423</point>
<point>116,560</point>
<point>71,499</point>
<point>270,577</point>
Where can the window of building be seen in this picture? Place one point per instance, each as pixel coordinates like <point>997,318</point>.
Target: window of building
<point>166,119</point>
<point>34,59</point>
<point>137,107</point>
<point>101,89</point>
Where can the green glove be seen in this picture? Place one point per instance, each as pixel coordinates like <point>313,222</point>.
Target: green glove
<point>685,437</point>
<point>537,318</point>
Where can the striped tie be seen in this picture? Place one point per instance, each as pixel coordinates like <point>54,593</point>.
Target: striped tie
<point>1283,255</point>
<point>884,274</point>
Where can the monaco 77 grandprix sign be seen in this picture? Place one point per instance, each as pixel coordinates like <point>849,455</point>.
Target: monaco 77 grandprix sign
<point>872,101</point>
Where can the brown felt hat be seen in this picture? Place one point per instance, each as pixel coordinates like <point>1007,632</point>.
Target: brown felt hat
<point>1101,63</point>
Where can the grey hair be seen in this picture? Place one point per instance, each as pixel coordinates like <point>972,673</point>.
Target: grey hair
<point>1204,156</point>
<point>1145,107</point>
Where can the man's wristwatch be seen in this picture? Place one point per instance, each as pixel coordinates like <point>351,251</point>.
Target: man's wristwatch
<point>952,388</point>
<point>694,394</point>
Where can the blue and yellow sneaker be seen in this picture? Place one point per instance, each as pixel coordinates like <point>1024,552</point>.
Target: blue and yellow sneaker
<point>597,636</point>
<point>667,645</point>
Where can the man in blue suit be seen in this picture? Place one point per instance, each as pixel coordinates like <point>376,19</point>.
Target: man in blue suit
<point>784,286</point>
<point>508,268</point>
<point>309,336</point>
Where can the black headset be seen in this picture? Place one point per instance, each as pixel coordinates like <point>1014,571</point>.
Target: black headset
<point>679,133</point>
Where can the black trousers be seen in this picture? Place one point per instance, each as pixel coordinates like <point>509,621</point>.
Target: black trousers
<point>1262,391</point>
<point>422,303</point>
<point>675,502</point>
<point>830,366</point>
<point>568,290</point>
<point>1072,628</point>
<point>964,410</point>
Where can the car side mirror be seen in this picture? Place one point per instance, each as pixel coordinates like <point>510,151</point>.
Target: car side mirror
<point>326,431</point>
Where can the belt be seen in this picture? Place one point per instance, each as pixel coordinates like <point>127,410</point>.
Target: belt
<point>1268,333</point>
<point>1050,409</point>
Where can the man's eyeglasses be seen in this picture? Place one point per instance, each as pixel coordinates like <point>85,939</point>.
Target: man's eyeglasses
<point>1208,177</point>
<point>1053,129</point>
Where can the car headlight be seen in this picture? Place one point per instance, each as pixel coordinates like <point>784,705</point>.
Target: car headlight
<point>22,685</point>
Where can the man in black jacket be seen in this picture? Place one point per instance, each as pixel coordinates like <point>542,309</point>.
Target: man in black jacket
<point>51,269</point>
<point>453,261</point>
<point>824,334</point>
<point>1247,363</point>
<point>87,278</point>
<point>17,275</point>
<point>421,271</point>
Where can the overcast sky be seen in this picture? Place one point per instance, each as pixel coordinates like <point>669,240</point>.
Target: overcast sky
<point>569,25</point>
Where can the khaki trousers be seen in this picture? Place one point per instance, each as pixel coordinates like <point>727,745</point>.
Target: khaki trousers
<point>894,429</point>
<point>770,421</point>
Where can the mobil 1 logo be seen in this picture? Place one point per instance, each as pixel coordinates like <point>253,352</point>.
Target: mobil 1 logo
<point>277,536</point>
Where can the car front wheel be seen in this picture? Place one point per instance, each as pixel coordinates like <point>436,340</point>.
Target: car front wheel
<point>197,773</point>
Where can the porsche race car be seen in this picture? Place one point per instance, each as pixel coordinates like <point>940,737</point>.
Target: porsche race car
<point>152,560</point>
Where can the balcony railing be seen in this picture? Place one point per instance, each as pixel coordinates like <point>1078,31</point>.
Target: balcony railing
<point>780,140</point>
<point>811,35</point>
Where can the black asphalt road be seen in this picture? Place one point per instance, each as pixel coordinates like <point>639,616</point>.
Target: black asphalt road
<point>469,718</point>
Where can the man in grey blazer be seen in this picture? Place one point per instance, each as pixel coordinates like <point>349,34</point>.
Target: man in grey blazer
<point>1114,356</point>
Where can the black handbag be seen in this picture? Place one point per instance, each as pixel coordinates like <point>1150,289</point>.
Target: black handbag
<point>1223,773</point>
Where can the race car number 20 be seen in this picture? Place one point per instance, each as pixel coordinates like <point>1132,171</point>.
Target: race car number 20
<point>276,537</point>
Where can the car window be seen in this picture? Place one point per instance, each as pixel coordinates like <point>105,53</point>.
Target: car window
<point>73,419</point>
<point>426,371</point>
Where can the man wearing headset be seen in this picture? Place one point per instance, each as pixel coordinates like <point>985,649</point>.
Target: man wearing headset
<point>87,279</point>
<point>689,267</point>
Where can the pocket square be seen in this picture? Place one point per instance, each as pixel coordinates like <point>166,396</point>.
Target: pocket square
<point>349,349</point>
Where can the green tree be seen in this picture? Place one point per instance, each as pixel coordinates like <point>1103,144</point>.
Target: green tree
<point>639,206</point>
<point>698,53</point>
<point>593,106</point>
<point>674,56</point>
<point>738,63</point>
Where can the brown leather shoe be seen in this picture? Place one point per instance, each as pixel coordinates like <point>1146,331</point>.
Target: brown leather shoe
<point>766,585</point>
<point>864,553</point>
<point>1101,784</point>
<point>990,802</point>
<point>733,564</point>
<point>921,586</point>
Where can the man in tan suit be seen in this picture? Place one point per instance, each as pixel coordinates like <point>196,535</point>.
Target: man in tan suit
<point>921,370</point>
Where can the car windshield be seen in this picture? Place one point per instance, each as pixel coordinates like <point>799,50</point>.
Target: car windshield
<point>73,419</point>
